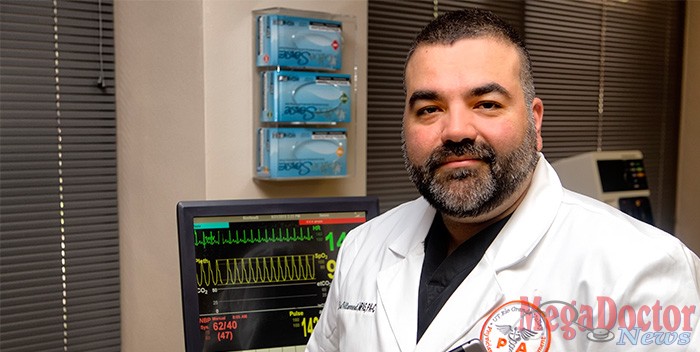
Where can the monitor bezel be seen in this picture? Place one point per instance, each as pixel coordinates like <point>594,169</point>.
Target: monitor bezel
<point>188,210</point>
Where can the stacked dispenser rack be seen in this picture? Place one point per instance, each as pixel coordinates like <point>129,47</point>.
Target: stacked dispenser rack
<point>306,102</point>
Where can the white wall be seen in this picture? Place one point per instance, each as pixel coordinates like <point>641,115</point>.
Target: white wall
<point>228,62</point>
<point>185,131</point>
<point>688,204</point>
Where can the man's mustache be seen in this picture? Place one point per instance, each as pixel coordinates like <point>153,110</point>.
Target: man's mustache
<point>463,148</point>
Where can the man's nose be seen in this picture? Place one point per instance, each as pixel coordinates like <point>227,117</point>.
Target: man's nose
<point>459,124</point>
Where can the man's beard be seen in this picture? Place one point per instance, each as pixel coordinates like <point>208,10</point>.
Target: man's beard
<point>466,193</point>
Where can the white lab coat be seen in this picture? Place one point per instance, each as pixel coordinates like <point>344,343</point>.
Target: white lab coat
<point>558,245</point>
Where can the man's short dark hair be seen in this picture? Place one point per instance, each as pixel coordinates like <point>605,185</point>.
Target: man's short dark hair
<point>471,23</point>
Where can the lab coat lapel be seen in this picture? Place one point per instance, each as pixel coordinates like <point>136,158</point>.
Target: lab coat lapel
<point>398,283</point>
<point>476,297</point>
<point>398,291</point>
<point>529,223</point>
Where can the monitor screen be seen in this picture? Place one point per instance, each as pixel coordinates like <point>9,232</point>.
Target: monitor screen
<point>255,273</point>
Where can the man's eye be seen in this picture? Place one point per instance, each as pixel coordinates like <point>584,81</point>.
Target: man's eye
<point>489,105</point>
<point>427,110</point>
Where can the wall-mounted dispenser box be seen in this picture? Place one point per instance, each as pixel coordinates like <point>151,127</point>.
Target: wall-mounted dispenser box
<point>299,42</point>
<point>305,97</point>
<point>298,152</point>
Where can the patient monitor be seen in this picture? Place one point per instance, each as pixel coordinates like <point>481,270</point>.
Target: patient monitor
<point>614,177</point>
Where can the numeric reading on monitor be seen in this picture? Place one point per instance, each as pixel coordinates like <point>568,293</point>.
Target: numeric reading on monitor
<point>264,276</point>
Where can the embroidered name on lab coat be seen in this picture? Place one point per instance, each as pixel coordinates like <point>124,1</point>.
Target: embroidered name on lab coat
<point>365,307</point>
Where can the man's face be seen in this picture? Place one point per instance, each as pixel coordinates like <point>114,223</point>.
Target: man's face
<point>470,142</point>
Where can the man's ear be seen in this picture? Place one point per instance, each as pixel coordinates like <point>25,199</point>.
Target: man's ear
<point>537,114</point>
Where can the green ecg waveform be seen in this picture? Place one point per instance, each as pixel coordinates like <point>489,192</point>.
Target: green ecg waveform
<point>216,237</point>
<point>256,270</point>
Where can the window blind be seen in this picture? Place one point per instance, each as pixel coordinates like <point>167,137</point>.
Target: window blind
<point>609,75</point>
<point>607,71</point>
<point>391,28</point>
<point>59,257</point>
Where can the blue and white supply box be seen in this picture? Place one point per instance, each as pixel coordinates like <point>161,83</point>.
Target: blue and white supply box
<point>299,42</point>
<point>306,97</point>
<point>298,152</point>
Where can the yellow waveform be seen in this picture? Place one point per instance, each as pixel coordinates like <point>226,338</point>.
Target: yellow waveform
<point>256,270</point>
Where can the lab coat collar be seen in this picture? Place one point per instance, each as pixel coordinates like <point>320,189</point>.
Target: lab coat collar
<point>530,221</point>
<point>480,292</point>
<point>519,236</point>
<point>413,227</point>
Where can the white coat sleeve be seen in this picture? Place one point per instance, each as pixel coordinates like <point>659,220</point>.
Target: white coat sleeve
<point>694,264</point>
<point>325,337</point>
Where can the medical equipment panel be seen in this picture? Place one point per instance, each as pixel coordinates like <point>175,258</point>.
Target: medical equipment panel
<point>255,273</point>
<point>614,177</point>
